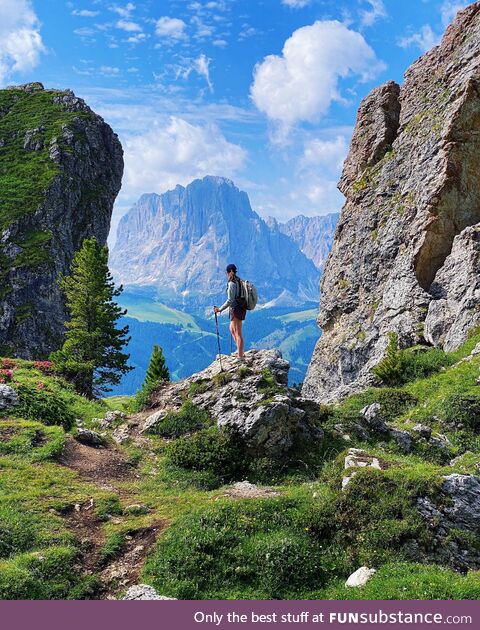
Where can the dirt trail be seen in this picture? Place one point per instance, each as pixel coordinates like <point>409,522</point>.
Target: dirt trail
<point>105,467</point>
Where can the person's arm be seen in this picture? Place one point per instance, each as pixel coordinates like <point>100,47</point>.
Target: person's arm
<point>230,296</point>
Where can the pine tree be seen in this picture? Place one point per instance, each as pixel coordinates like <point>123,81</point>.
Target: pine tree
<point>92,356</point>
<point>157,369</point>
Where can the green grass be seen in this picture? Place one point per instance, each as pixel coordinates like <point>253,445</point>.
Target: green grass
<point>24,174</point>
<point>298,316</point>
<point>302,544</point>
<point>146,309</point>
<point>407,581</point>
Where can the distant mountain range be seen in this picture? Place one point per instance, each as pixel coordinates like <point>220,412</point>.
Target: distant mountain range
<point>175,246</point>
<point>313,235</point>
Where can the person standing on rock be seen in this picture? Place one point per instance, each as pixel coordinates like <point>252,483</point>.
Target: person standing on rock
<point>237,307</point>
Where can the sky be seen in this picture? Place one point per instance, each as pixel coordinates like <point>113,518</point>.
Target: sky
<point>264,92</point>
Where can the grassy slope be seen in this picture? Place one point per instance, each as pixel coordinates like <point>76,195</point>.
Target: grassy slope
<point>26,174</point>
<point>307,540</point>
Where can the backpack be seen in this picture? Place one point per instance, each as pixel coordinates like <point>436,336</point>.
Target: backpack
<point>248,294</point>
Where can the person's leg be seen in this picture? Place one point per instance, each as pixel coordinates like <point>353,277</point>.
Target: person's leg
<point>239,336</point>
<point>233,331</point>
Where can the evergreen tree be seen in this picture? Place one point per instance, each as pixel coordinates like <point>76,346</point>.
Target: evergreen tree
<point>92,356</point>
<point>157,369</point>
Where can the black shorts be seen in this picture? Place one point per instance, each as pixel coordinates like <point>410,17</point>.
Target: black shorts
<point>237,312</point>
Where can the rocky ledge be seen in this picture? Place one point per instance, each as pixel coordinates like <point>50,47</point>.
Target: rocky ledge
<point>250,396</point>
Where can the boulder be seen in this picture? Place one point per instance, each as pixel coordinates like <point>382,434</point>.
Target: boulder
<point>144,592</point>
<point>372,415</point>
<point>453,519</point>
<point>90,438</point>
<point>252,397</point>
<point>360,577</point>
<point>8,396</point>
<point>357,458</point>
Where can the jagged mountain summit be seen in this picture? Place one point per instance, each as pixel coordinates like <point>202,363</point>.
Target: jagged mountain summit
<point>406,253</point>
<point>177,244</point>
<point>61,167</point>
<point>313,235</point>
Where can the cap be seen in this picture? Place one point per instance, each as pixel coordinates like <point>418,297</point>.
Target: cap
<point>231,267</point>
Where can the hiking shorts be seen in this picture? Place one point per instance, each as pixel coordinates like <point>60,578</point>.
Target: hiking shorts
<point>237,312</point>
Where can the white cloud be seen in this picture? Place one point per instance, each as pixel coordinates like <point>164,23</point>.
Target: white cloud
<point>136,39</point>
<point>109,71</point>
<point>424,39</point>
<point>85,13</point>
<point>176,153</point>
<point>220,43</point>
<point>301,84</point>
<point>20,41</point>
<point>449,10</point>
<point>376,11</point>
<point>200,65</point>
<point>203,30</point>
<point>125,11</point>
<point>296,4</point>
<point>329,154</point>
<point>129,26</point>
<point>172,28</point>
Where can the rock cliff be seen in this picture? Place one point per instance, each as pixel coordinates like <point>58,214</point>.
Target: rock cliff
<point>60,170</point>
<point>176,245</point>
<point>406,252</point>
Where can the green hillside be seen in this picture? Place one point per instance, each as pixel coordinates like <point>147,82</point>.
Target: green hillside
<point>70,514</point>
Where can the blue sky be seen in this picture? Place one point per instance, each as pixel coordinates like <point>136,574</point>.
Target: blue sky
<point>264,92</point>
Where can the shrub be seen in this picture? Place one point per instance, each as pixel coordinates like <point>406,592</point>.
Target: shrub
<point>216,450</point>
<point>46,406</point>
<point>463,409</point>
<point>255,549</point>
<point>402,366</point>
<point>45,574</point>
<point>188,419</point>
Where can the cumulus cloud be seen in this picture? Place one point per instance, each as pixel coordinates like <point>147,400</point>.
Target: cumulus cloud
<point>172,28</point>
<point>124,11</point>
<point>20,41</point>
<point>329,154</point>
<point>300,84</point>
<point>129,26</point>
<point>176,153</point>
<point>375,12</point>
<point>424,39</point>
<point>296,4</point>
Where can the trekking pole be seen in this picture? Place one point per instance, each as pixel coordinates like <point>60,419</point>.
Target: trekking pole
<point>218,340</point>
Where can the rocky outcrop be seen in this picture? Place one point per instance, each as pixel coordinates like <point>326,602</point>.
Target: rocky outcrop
<point>8,396</point>
<point>249,396</point>
<point>405,254</point>
<point>60,170</point>
<point>176,246</point>
<point>454,519</point>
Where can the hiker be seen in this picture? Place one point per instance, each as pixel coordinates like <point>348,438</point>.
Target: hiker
<point>236,304</point>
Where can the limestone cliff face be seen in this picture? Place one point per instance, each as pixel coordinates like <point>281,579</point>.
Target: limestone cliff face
<point>60,170</point>
<point>406,256</point>
<point>176,245</point>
